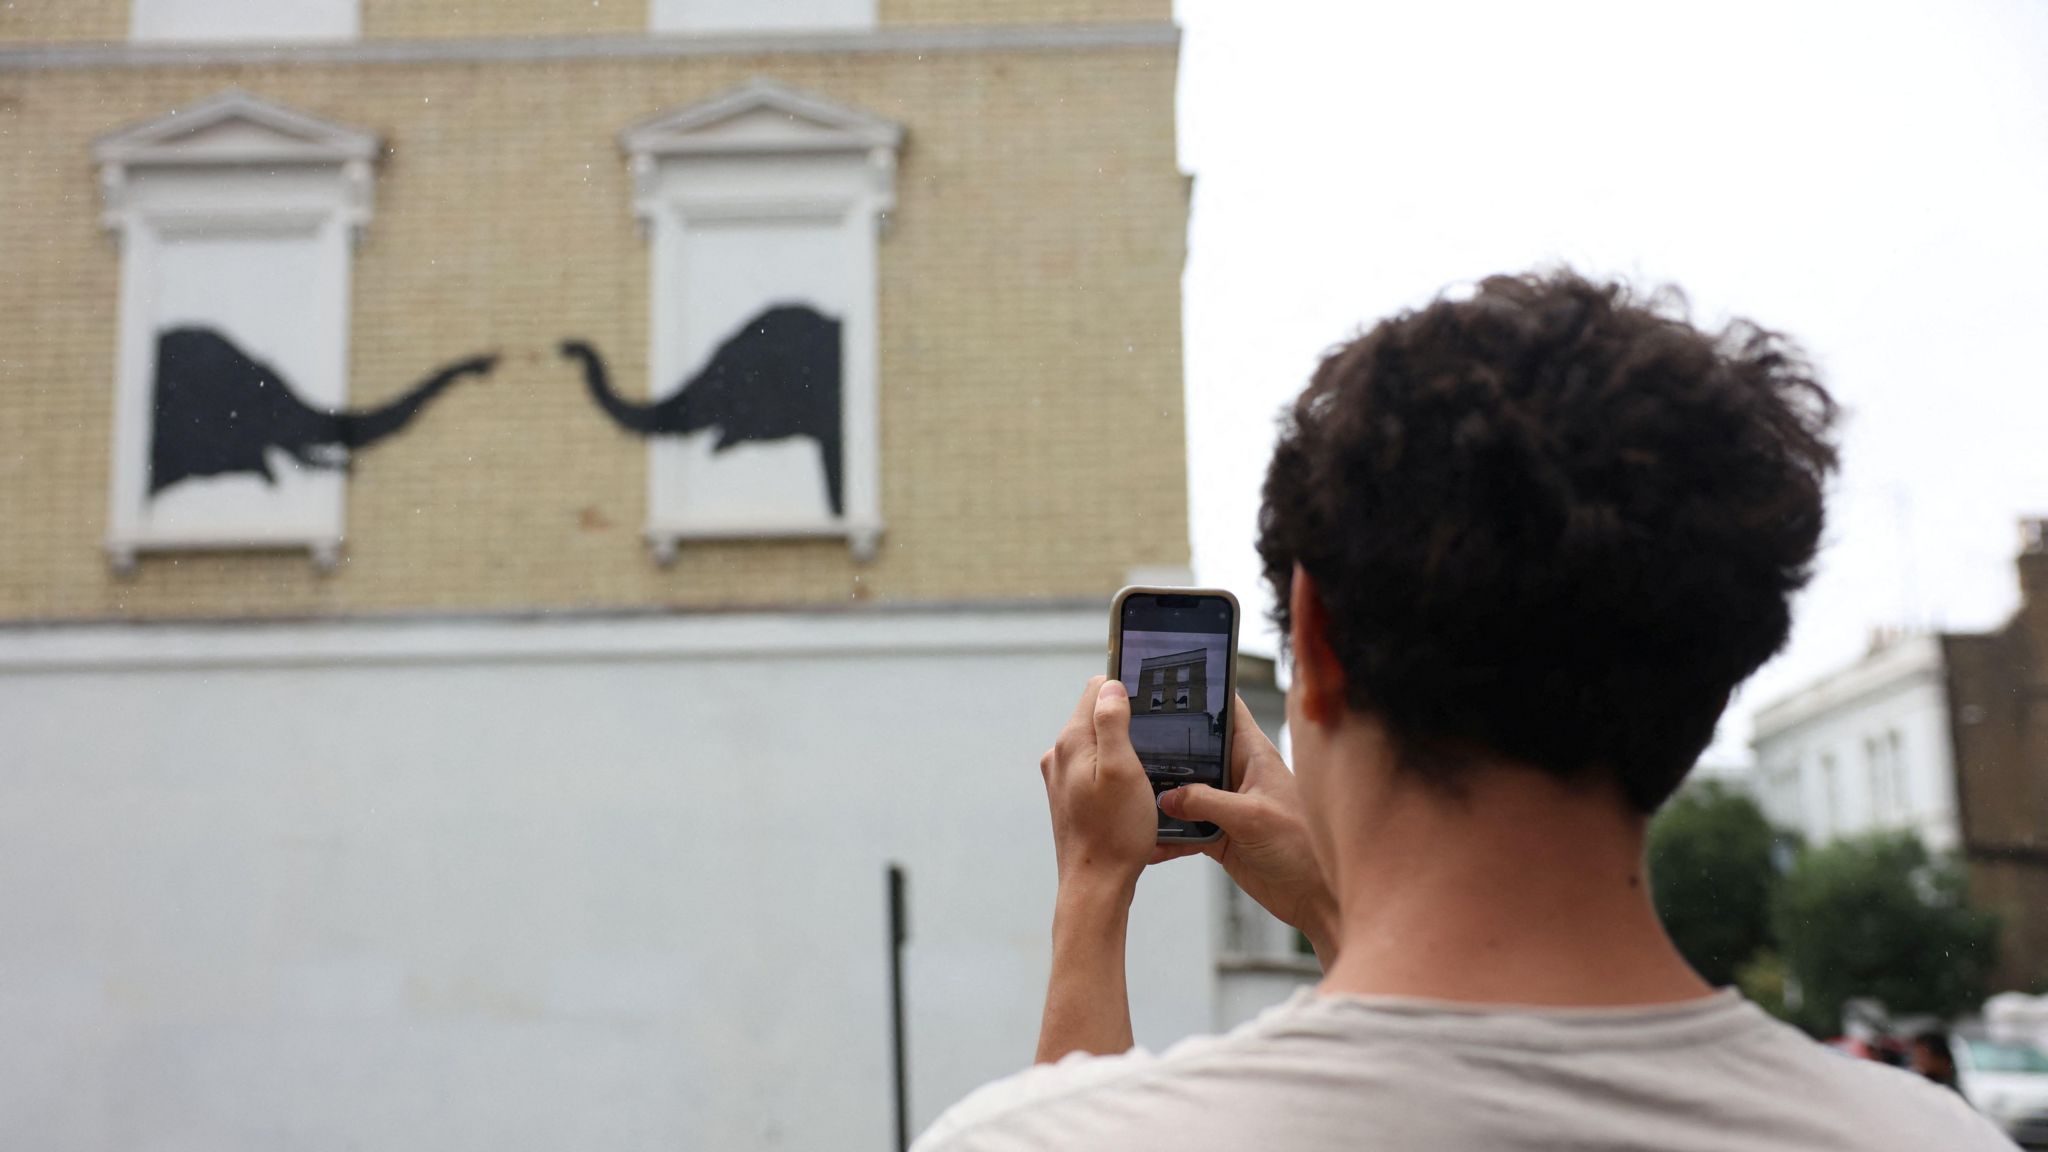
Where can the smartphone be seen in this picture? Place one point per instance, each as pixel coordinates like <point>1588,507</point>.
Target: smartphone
<point>1175,649</point>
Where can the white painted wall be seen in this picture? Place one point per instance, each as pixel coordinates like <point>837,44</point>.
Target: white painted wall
<point>1865,749</point>
<point>558,884</point>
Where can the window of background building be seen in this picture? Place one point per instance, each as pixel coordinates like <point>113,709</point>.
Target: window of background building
<point>1781,784</point>
<point>1901,786</point>
<point>1879,780</point>
<point>216,21</point>
<point>1831,798</point>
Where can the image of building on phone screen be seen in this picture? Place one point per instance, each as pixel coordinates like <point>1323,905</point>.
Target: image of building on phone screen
<point>1177,692</point>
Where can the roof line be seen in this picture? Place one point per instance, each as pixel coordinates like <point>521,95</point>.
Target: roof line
<point>1051,604</point>
<point>1173,655</point>
<point>906,39</point>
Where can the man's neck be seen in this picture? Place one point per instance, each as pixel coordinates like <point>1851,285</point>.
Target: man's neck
<point>1520,891</point>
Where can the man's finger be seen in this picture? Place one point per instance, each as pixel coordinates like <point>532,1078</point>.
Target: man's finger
<point>1227,810</point>
<point>1084,709</point>
<point>1247,743</point>
<point>1077,739</point>
<point>1165,852</point>
<point>1114,755</point>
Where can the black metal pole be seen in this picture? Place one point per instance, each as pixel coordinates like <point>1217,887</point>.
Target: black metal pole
<point>899,933</point>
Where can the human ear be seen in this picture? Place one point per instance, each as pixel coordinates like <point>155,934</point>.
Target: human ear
<point>1318,675</point>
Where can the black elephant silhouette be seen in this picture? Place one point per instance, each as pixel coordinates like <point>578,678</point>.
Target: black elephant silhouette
<point>777,377</point>
<point>219,410</point>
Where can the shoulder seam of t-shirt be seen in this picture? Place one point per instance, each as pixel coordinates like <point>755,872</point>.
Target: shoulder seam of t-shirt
<point>1139,1057</point>
<point>1745,1023</point>
<point>1137,1073</point>
<point>1227,1048</point>
<point>1710,1021</point>
<point>1720,1000</point>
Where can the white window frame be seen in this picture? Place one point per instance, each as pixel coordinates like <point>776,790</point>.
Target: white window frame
<point>714,16</point>
<point>191,22</point>
<point>210,169</point>
<point>725,159</point>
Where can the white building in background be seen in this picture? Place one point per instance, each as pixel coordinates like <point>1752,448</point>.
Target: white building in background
<point>1739,778</point>
<point>1865,749</point>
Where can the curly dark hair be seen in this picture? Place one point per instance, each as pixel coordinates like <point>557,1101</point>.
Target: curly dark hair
<point>1552,521</point>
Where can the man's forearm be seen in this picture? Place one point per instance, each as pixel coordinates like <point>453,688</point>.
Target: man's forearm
<point>1087,1008</point>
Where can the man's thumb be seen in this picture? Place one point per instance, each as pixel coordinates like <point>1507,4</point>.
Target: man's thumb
<point>1113,725</point>
<point>1226,810</point>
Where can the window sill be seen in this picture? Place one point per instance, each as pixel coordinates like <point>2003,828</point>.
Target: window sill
<point>665,540</point>
<point>123,553</point>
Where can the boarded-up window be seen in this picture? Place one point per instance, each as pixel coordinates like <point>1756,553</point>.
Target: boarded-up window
<point>236,219</point>
<point>764,208</point>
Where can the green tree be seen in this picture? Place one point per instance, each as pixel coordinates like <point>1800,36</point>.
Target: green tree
<point>1712,872</point>
<point>1876,916</point>
<point>1763,981</point>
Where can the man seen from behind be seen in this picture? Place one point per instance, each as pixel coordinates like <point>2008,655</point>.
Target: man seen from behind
<point>1523,545</point>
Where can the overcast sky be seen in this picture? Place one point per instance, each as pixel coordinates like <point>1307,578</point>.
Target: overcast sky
<point>1871,177</point>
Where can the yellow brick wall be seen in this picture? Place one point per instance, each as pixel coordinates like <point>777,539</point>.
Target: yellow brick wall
<point>430,19</point>
<point>61,21</point>
<point>1030,338</point>
<point>1038,12</point>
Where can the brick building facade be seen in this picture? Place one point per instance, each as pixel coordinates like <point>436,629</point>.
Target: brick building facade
<point>1945,737</point>
<point>1028,294</point>
<point>1998,704</point>
<point>535,782</point>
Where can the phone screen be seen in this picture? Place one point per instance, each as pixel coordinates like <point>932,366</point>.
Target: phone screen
<point>1174,654</point>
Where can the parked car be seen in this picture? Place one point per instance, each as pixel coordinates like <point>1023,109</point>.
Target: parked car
<point>2006,1080</point>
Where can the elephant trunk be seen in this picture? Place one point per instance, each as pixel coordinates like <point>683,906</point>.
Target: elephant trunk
<point>641,418</point>
<point>359,429</point>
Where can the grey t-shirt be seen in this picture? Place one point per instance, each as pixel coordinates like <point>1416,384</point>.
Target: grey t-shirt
<point>1392,1075</point>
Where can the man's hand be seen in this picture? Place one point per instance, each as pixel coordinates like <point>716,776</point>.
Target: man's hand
<point>1265,845</point>
<point>1104,823</point>
<point>1103,828</point>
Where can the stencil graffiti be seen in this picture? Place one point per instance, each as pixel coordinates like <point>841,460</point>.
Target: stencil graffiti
<point>777,377</point>
<point>220,410</point>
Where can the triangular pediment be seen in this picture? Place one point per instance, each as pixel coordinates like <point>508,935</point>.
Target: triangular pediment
<point>235,127</point>
<point>761,116</point>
